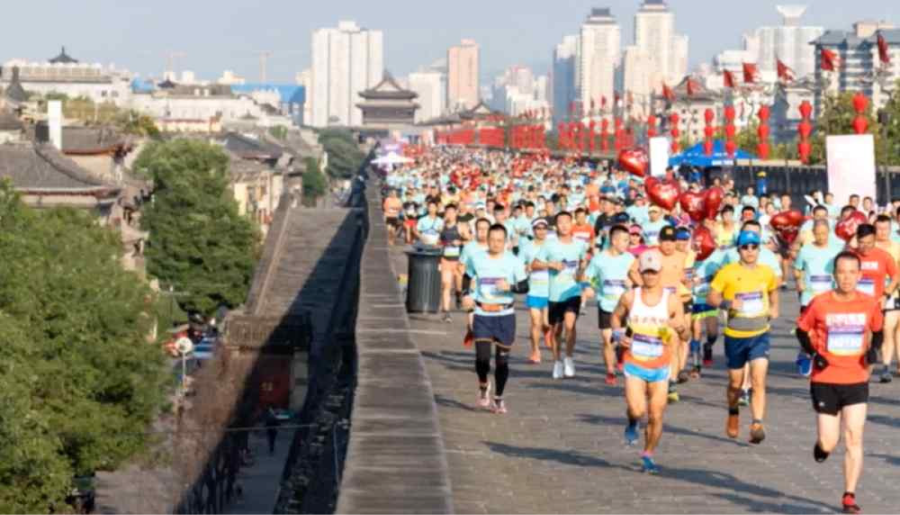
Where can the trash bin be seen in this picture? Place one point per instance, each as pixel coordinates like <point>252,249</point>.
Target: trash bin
<point>423,287</point>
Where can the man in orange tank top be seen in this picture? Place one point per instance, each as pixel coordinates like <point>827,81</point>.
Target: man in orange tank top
<point>647,322</point>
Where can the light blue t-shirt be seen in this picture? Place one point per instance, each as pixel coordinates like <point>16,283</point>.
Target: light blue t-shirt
<point>817,265</point>
<point>538,280</point>
<point>608,276</point>
<point>486,272</point>
<point>563,284</point>
<point>704,273</point>
<point>639,215</point>
<point>430,226</point>
<point>470,250</point>
<point>652,230</point>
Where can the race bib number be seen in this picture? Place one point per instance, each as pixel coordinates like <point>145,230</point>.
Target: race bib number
<point>820,283</point>
<point>752,304</point>
<point>866,285</point>
<point>540,277</point>
<point>644,347</point>
<point>570,267</point>
<point>613,289</point>
<point>487,288</point>
<point>451,251</point>
<point>846,340</point>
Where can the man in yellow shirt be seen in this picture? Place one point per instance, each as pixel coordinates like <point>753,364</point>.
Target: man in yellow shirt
<point>748,290</point>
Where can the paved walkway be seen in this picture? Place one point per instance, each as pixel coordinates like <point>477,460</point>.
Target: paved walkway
<point>560,449</point>
<point>262,481</point>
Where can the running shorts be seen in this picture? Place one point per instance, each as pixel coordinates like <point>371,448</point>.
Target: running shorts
<point>532,302</point>
<point>740,351</point>
<point>830,399</point>
<point>604,319</point>
<point>495,329</point>
<point>650,375</point>
<point>558,310</point>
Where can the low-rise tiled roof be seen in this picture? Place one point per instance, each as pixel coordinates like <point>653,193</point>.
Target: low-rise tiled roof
<point>42,168</point>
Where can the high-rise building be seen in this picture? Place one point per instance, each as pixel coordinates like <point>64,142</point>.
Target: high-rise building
<point>640,79</point>
<point>462,76</point>
<point>654,28</point>
<point>346,60</point>
<point>859,67</point>
<point>563,90</point>
<point>601,41</point>
<point>790,42</point>
<point>679,57</point>
<point>431,86</point>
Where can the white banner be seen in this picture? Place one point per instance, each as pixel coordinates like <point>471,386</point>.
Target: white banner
<point>659,155</point>
<point>851,167</point>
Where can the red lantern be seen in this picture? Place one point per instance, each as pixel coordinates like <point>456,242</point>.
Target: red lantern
<point>651,126</point>
<point>730,131</point>
<point>763,150</point>
<point>804,149</point>
<point>860,102</point>
<point>805,129</point>
<point>764,113</point>
<point>729,112</point>
<point>860,125</point>
<point>708,147</point>
<point>763,132</point>
<point>730,147</point>
<point>806,109</point>
<point>709,116</point>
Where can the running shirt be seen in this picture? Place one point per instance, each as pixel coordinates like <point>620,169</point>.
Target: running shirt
<point>876,267</point>
<point>430,227</point>
<point>703,275</point>
<point>583,233</point>
<point>651,333</point>
<point>392,207</point>
<point>725,237</point>
<point>751,286</point>
<point>841,332</point>
<point>652,230</point>
<point>608,276</point>
<point>449,235</point>
<point>563,284</point>
<point>538,280</point>
<point>470,250</point>
<point>486,272</point>
<point>817,265</point>
<point>766,257</point>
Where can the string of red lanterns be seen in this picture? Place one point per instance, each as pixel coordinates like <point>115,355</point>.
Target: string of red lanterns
<point>804,130</point>
<point>762,148</point>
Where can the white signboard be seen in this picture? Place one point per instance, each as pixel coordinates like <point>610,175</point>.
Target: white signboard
<point>851,167</point>
<point>659,155</point>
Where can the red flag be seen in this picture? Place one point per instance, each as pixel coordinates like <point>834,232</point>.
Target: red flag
<point>785,73</point>
<point>592,105</point>
<point>830,60</point>
<point>691,87</point>
<point>603,101</point>
<point>729,79</point>
<point>750,73</point>
<point>668,94</point>
<point>617,97</point>
<point>884,54</point>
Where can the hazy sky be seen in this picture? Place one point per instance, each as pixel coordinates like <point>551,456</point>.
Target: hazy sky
<point>228,34</point>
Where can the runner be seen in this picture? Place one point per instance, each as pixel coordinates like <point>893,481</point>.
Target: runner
<point>748,291</point>
<point>538,300</point>
<point>452,237</point>
<point>654,226</point>
<point>563,257</point>
<point>653,317</point>
<point>879,277</point>
<point>836,329</point>
<point>392,207</point>
<point>607,273</point>
<point>892,302</point>
<point>496,275</point>
<point>813,271</point>
<point>428,228</point>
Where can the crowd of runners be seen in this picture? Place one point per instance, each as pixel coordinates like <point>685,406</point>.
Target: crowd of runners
<point>559,235</point>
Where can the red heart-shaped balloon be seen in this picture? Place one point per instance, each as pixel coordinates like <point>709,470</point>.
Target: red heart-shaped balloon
<point>712,200</point>
<point>634,161</point>
<point>787,225</point>
<point>692,203</point>
<point>846,228</point>
<point>664,193</point>
<point>703,242</point>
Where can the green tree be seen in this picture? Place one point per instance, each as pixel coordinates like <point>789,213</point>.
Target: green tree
<point>135,123</point>
<point>279,132</point>
<point>892,129</point>
<point>344,156</point>
<point>198,242</point>
<point>837,118</point>
<point>79,382</point>
<point>315,184</point>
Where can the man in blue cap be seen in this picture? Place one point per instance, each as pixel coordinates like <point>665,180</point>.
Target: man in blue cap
<point>748,290</point>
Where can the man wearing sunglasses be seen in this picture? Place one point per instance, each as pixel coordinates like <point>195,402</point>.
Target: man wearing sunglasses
<point>748,291</point>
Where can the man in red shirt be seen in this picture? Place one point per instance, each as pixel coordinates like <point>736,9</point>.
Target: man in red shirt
<point>878,271</point>
<point>840,330</point>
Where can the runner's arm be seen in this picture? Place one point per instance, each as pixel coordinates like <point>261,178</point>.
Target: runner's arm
<point>676,318</point>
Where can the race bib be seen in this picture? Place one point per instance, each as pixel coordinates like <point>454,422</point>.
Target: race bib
<point>752,304</point>
<point>487,288</point>
<point>540,277</point>
<point>570,267</point>
<point>451,251</point>
<point>613,289</point>
<point>846,340</point>
<point>866,285</point>
<point>645,348</point>
<point>819,283</point>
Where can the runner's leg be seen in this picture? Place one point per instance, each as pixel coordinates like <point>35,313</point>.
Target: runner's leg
<point>890,338</point>
<point>609,352</point>
<point>829,431</point>
<point>570,319</point>
<point>854,421</point>
<point>501,372</point>
<point>537,328</point>
<point>658,399</point>
<point>758,370</point>
<point>447,278</point>
<point>635,399</point>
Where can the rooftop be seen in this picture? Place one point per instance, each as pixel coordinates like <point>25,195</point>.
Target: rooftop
<point>63,58</point>
<point>42,168</point>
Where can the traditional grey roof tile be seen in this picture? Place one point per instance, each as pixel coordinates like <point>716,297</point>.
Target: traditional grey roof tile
<point>42,168</point>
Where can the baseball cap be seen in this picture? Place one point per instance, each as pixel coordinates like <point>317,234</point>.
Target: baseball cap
<point>748,238</point>
<point>667,234</point>
<point>655,208</point>
<point>540,221</point>
<point>682,234</point>
<point>650,260</point>
<point>635,229</point>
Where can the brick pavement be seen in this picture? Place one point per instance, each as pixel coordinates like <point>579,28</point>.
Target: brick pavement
<point>560,449</point>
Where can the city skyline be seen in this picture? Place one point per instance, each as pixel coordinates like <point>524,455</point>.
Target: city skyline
<point>285,31</point>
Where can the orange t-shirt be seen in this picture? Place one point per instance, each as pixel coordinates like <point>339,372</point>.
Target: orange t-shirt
<point>875,267</point>
<point>841,332</point>
<point>392,207</point>
<point>583,233</point>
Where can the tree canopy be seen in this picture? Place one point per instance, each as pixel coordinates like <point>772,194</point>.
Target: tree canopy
<point>314,182</point>
<point>836,118</point>
<point>79,381</point>
<point>199,243</point>
<point>344,156</point>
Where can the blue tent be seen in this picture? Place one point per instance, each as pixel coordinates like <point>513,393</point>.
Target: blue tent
<point>695,156</point>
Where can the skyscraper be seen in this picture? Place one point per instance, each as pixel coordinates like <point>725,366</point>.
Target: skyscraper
<point>346,61</point>
<point>654,28</point>
<point>431,86</point>
<point>791,42</point>
<point>601,41</point>
<point>565,56</point>
<point>462,76</point>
